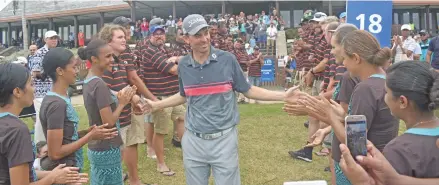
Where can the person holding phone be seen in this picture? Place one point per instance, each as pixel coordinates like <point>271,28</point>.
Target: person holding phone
<point>379,170</point>
<point>363,60</point>
<point>413,95</point>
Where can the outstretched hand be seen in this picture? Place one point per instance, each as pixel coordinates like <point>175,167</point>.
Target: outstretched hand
<point>292,94</point>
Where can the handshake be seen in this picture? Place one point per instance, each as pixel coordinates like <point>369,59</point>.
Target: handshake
<point>298,103</point>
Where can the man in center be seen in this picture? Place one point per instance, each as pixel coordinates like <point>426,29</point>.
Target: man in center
<point>207,79</point>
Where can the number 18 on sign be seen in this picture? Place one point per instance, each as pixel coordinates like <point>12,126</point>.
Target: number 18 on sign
<point>372,16</point>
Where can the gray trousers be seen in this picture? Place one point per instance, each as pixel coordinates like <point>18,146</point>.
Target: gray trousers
<point>219,155</point>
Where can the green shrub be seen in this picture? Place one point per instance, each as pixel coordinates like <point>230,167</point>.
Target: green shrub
<point>291,33</point>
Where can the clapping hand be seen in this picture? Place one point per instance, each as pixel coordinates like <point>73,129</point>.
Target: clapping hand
<point>323,109</point>
<point>126,94</point>
<point>68,175</point>
<point>317,138</point>
<point>292,106</point>
<point>101,132</point>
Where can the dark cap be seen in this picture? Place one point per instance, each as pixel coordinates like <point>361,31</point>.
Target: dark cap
<point>256,48</point>
<point>422,32</point>
<point>123,21</point>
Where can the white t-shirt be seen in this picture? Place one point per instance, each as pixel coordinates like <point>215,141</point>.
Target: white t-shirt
<point>37,164</point>
<point>272,33</point>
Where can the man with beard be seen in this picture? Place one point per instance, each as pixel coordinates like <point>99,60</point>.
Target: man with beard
<point>161,77</point>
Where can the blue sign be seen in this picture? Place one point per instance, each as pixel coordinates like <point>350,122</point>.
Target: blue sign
<point>267,70</point>
<point>372,16</point>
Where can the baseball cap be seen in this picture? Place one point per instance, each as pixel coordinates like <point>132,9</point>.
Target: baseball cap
<point>156,24</point>
<point>50,34</point>
<point>406,27</point>
<point>123,21</point>
<point>192,24</point>
<point>343,15</point>
<point>422,32</point>
<point>319,17</point>
<point>256,48</point>
<point>308,14</point>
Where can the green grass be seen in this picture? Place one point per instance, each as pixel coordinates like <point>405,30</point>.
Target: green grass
<point>266,134</point>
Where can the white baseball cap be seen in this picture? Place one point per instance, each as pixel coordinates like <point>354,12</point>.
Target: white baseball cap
<point>406,27</point>
<point>50,33</point>
<point>319,17</point>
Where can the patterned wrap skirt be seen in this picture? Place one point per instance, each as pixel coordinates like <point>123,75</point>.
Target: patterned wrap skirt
<point>340,178</point>
<point>105,167</point>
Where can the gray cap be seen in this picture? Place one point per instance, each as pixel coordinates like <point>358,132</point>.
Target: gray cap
<point>156,21</point>
<point>192,24</point>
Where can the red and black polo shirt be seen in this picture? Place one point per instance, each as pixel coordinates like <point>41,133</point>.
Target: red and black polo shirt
<point>255,67</point>
<point>156,70</point>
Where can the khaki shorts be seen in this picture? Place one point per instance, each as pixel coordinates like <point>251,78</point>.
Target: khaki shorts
<point>133,133</point>
<point>162,118</point>
<point>316,87</point>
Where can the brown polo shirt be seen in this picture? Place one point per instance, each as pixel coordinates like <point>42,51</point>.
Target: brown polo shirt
<point>117,79</point>
<point>156,70</point>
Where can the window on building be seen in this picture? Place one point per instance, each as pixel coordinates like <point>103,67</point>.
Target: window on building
<point>416,21</point>
<point>406,18</point>
<point>66,30</point>
<point>87,31</point>
<point>286,17</point>
<point>395,18</point>
<point>95,29</point>
<point>297,16</point>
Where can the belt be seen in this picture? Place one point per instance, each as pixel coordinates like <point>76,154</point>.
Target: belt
<point>212,135</point>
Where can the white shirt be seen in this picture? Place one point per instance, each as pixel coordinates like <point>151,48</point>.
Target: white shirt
<point>408,44</point>
<point>272,33</point>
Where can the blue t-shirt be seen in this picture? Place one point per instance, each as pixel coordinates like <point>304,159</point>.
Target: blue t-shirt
<point>424,49</point>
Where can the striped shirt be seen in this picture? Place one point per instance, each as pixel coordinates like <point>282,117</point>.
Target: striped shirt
<point>328,74</point>
<point>180,49</point>
<point>117,79</point>
<point>241,56</point>
<point>318,50</point>
<point>255,67</point>
<point>156,70</point>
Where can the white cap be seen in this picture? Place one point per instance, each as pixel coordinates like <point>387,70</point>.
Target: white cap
<point>50,33</point>
<point>247,45</point>
<point>319,17</point>
<point>406,27</point>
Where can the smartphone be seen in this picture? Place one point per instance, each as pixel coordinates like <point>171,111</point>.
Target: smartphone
<point>356,134</point>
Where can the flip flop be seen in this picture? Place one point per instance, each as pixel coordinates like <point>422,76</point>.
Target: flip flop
<point>125,177</point>
<point>168,173</point>
<point>322,153</point>
<point>152,156</point>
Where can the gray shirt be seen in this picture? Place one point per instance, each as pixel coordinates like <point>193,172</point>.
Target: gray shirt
<point>54,115</point>
<point>209,91</point>
<point>97,96</point>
